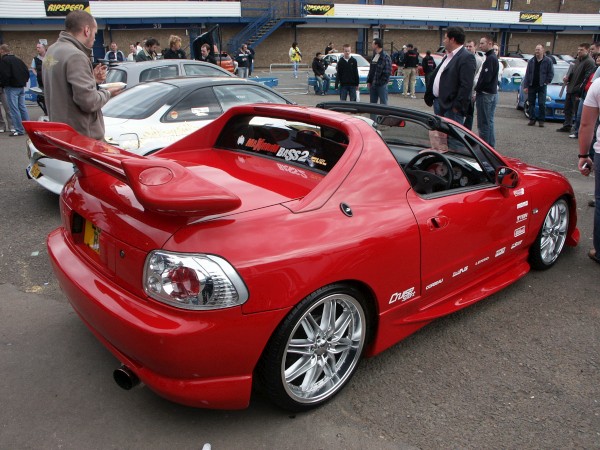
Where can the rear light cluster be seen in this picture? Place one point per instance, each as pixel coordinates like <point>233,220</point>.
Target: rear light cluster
<point>193,281</point>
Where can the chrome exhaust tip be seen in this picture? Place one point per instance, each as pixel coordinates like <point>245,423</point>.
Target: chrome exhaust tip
<point>125,378</point>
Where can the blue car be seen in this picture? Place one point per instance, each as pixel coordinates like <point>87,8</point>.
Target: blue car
<point>555,103</point>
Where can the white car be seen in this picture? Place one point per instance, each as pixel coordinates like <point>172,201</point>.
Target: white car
<point>152,115</point>
<point>512,67</point>
<point>332,59</point>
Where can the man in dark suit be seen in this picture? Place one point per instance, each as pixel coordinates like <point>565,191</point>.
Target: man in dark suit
<point>449,88</point>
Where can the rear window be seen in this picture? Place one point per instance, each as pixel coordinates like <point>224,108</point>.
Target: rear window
<point>230,95</point>
<point>155,73</point>
<point>116,76</point>
<point>140,101</point>
<point>198,70</point>
<point>311,146</point>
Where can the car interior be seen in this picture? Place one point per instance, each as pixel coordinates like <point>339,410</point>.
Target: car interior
<point>438,158</point>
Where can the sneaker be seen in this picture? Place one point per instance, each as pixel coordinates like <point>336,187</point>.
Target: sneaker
<point>413,96</point>
<point>592,256</point>
<point>2,131</point>
<point>573,136</point>
<point>564,129</point>
<point>541,124</point>
<point>592,203</point>
<point>531,123</point>
<point>16,134</point>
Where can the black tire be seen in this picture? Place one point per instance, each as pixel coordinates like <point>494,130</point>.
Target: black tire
<point>526,108</point>
<point>519,108</point>
<point>552,236</point>
<point>317,367</point>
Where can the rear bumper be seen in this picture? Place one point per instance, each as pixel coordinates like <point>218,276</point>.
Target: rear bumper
<point>202,359</point>
<point>51,174</point>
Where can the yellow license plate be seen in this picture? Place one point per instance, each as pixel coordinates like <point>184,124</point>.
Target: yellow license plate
<point>35,171</point>
<point>91,236</point>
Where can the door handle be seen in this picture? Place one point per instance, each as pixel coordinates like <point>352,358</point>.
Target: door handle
<point>437,223</point>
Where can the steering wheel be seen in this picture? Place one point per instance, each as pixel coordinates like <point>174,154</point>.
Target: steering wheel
<point>426,182</point>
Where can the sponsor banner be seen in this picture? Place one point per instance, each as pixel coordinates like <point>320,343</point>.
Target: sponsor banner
<point>530,17</point>
<point>61,9</point>
<point>319,9</point>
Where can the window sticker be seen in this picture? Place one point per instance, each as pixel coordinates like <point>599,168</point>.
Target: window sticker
<point>200,112</point>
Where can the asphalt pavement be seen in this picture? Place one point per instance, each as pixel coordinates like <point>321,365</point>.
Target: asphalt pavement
<point>517,370</point>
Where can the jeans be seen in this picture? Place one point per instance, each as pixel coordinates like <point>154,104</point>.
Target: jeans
<point>242,72</point>
<point>448,113</point>
<point>596,235</point>
<point>16,104</point>
<point>410,80</point>
<point>5,124</point>
<point>469,116</point>
<point>578,116</point>
<point>346,91</point>
<point>486,109</point>
<point>570,105</point>
<point>295,68</point>
<point>379,93</point>
<point>322,85</point>
<point>538,92</point>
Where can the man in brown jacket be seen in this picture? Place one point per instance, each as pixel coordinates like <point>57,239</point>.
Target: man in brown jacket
<point>70,81</point>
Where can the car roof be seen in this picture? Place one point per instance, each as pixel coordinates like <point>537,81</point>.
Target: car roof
<point>198,82</point>
<point>132,66</point>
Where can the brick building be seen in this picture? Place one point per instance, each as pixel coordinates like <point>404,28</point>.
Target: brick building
<point>273,25</point>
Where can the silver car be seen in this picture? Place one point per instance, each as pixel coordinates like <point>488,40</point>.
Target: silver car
<point>133,73</point>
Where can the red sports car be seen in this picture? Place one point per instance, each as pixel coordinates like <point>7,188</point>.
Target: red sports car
<point>280,244</point>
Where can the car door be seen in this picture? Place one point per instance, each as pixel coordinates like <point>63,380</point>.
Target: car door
<point>468,230</point>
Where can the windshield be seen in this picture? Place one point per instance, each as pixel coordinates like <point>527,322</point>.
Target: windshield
<point>362,62</point>
<point>559,73</point>
<point>516,63</point>
<point>140,101</point>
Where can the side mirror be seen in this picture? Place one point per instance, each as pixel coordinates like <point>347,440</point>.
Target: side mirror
<point>507,177</point>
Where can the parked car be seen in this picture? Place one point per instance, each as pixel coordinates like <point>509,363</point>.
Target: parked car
<point>134,73</point>
<point>525,56</point>
<point>281,244</point>
<point>512,67</point>
<point>225,61</point>
<point>397,71</point>
<point>566,58</point>
<point>332,59</point>
<point>555,103</point>
<point>152,115</point>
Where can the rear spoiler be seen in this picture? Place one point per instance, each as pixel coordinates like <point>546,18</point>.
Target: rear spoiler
<point>160,185</point>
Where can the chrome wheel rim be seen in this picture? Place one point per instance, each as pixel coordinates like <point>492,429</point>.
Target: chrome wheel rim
<point>554,232</point>
<point>323,349</point>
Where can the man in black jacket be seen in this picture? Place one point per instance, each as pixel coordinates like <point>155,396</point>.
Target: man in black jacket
<point>450,86</point>
<point>538,76</point>
<point>486,91</point>
<point>14,76</point>
<point>321,78</point>
<point>583,64</point>
<point>347,75</point>
<point>411,61</point>
<point>429,66</point>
